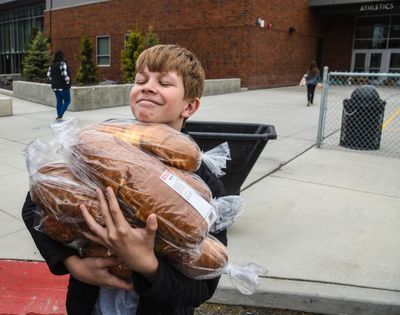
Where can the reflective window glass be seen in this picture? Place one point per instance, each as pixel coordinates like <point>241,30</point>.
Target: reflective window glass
<point>103,50</point>
<point>16,29</point>
<point>375,61</point>
<point>395,62</point>
<point>359,62</point>
<point>394,43</point>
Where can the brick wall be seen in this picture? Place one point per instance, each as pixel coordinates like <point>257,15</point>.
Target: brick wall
<point>338,43</point>
<point>223,34</point>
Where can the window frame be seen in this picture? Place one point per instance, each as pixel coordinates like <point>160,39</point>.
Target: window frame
<point>109,51</point>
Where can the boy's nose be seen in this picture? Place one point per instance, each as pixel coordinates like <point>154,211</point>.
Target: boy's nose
<point>148,90</point>
<point>149,87</point>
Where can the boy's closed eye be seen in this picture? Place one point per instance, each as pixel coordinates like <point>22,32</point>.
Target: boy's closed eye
<point>166,83</point>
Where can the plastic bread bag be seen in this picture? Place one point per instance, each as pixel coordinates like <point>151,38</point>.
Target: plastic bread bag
<point>53,187</point>
<point>212,262</point>
<point>216,158</point>
<point>169,145</point>
<point>66,233</point>
<point>141,182</point>
<point>40,152</point>
<point>229,209</point>
<point>62,220</point>
<point>56,191</point>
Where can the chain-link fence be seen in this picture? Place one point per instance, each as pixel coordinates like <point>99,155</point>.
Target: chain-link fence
<point>360,112</point>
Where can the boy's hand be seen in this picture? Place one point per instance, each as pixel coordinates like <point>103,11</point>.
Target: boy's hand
<point>94,270</point>
<point>134,246</point>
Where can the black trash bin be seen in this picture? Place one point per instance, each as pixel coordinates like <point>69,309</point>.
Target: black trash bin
<point>246,142</point>
<point>362,119</point>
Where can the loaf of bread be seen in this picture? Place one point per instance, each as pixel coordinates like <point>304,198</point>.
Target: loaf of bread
<point>58,230</point>
<point>140,182</point>
<point>210,263</point>
<point>95,250</point>
<point>59,194</point>
<point>56,191</point>
<point>169,145</point>
<point>193,181</point>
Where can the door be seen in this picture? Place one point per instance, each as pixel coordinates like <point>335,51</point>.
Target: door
<point>394,61</point>
<point>369,60</point>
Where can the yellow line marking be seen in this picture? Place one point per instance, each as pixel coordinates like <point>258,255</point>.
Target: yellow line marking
<point>387,122</point>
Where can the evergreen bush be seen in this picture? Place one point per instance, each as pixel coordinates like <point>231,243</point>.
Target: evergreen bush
<point>135,43</point>
<point>133,48</point>
<point>86,73</point>
<point>37,59</point>
<point>150,39</point>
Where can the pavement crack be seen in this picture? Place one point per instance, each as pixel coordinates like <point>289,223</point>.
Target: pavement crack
<point>332,283</point>
<point>277,168</point>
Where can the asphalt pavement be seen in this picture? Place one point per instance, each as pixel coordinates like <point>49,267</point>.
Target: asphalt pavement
<point>324,223</point>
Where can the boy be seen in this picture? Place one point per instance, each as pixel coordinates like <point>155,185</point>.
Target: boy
<point>168,87</point>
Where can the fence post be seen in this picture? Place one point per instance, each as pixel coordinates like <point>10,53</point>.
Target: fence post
<point>322,108</point>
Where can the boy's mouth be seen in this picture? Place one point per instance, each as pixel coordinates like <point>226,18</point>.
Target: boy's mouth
<point>147,100</point>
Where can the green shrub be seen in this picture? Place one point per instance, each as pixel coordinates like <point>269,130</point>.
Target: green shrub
<point>150,39</point>
<point>86,73</point>
<point>135,43</point>
<point>133,48</point>
<point>37,59</point>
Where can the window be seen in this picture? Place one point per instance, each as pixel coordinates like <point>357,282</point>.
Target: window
<point>380,32</point>
<point>16,27</point>
<point>103,50</point>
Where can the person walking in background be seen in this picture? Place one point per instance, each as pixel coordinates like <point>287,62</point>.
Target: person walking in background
<point>311,79</point>
<point>59,77</point>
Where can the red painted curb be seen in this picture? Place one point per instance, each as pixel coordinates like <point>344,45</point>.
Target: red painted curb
<point>28,288</point>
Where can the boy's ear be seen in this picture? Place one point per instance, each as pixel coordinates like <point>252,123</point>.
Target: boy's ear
<point>191,108</point>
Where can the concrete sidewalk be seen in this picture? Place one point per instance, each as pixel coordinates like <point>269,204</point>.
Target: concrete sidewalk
<point>324,223</point>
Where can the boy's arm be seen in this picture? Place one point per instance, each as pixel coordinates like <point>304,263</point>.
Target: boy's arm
<point>53,252</point>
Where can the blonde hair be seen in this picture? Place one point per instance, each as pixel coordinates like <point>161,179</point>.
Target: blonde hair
<point>164,58</point>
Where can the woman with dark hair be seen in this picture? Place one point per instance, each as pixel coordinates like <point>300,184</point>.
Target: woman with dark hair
<point>312,78</point>
<point>59,76</point>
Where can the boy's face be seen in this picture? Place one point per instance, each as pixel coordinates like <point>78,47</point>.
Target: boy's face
<point>158,97</point>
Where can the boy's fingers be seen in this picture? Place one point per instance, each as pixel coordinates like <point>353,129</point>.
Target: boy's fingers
<point>96,228</point>
<point>93,238</point>
<point>109,261</point>
<point>115,282</point>
<point>115,210</point>
<point>151,223</point>
<point>104,209</point>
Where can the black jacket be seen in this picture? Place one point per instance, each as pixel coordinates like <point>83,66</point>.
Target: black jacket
<point>171,293</point>
<point>59,75</point>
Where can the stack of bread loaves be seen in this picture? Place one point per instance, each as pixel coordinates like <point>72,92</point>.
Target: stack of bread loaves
<point>149,167</point>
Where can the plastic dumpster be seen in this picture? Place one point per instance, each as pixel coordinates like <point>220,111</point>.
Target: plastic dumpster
<point>362,119</point>
<point>246,142</point>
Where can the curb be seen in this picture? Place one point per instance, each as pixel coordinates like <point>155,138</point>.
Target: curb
<point>29,288</point>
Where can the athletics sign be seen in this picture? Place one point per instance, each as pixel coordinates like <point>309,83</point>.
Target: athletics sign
<point>377,7</point>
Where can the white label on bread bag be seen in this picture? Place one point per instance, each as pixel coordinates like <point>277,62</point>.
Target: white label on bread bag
<point>205,209</point>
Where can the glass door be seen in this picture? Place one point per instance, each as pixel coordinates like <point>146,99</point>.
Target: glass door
<point>394,61</point>
<point>369,60</point>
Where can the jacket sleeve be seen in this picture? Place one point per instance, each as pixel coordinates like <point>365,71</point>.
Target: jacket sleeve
<point>52,252</point>
<point>170,285</point>
<point>65,72</point>
<point>49,73</point>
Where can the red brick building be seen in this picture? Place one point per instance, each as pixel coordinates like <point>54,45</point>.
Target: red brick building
<point>264,42</point>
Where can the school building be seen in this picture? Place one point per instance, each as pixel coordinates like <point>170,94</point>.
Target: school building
<point>265,43</point>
